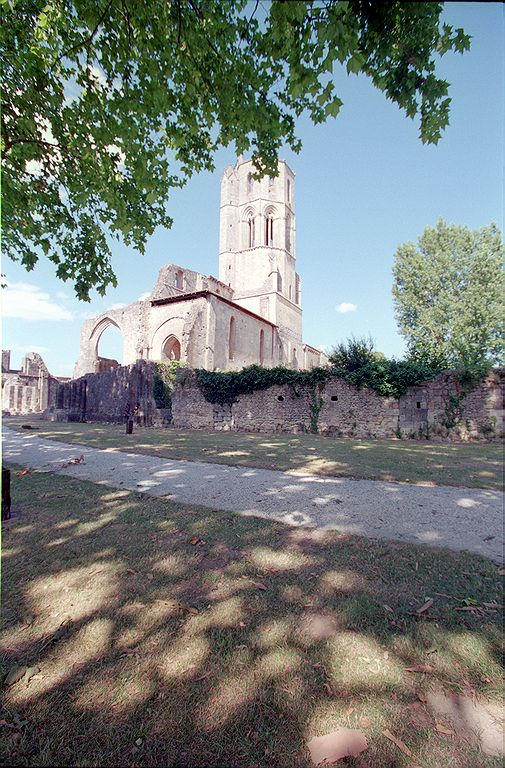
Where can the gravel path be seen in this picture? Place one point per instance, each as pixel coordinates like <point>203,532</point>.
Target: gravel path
<point>459,518</point>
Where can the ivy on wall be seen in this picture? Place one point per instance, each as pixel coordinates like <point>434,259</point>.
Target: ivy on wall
<point>163,382</point>
<point>389,378</point>
<point>224,387</point>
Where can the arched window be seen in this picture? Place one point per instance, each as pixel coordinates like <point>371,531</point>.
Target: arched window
<point>171,349</point>
<point>251,238</point>
<point>231,339</point>
<point>250,182</point>
<point>289,190</point>
<point>279,282</point>
<point>262,347</point>
<point>297,289</point>
<point>294,360</point>
<point>269,229</point>
<point>179,280</point>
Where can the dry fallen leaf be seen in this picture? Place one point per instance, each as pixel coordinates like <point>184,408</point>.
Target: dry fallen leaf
<point>387,608</point>
<point>365,722</point>
<point>25,471</point>
<point>426,668</point>
<point>337,745</point>
<point>15,674</point>
<point>195,540</point>
<point>403,747</point>
<point>258,585</point>
<point>442,729</point>
<point>21,673</point>
<point>427,605</point>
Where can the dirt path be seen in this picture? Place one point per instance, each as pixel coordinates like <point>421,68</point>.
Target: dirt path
<point>458,518</point>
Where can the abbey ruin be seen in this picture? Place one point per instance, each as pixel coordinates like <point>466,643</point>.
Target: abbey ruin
<point>251,314</point>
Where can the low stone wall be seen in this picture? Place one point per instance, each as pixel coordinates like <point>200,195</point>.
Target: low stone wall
<point>441,408</point>
<point>436,409</point>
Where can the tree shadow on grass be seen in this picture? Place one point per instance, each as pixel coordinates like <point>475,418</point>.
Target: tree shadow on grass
<point>181,636</point>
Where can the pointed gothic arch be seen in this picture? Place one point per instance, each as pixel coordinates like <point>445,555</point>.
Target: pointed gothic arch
<point>249,219</point>
<point>270,214</point>
<point>94,340</point>
<point>171,349</point>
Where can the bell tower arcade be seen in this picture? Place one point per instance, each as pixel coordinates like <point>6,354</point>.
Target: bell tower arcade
<point>257,250</point>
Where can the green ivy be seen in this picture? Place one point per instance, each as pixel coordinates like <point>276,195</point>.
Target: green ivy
<point>316,403</point>
<point>163,382</point>
<point>225,387</point>
<point>389,378</point>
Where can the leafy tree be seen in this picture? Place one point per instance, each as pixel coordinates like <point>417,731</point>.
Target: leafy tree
<point>353,354</point>
<point>448,294</point>
<point>108,105</point>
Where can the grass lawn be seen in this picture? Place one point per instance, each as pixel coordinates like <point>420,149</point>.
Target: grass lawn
<point>472,465</point>
<point>177,636</point>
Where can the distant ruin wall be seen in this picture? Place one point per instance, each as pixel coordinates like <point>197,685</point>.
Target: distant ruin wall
<point>29,389</point>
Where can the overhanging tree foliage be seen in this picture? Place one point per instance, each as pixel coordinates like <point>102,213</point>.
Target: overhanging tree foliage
<point>448,294</point>
<point>107,106</point>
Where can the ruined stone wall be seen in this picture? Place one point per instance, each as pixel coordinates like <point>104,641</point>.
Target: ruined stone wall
<point>125,392</point>
<point>338,409</point>
<point>442,408</point>
<point>28,390</point>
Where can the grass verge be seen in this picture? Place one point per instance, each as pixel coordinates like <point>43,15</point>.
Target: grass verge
<point>173,635</point>
<point>472,465</point>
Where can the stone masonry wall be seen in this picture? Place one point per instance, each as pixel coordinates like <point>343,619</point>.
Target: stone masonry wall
<point>116,395</point>
<point>341,410</point>
<point>441,408</point>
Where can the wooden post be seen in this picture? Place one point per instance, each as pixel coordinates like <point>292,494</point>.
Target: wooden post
<point>129,427</point>
<point>6,494</point>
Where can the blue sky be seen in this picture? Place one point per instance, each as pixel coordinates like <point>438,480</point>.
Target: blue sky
<point>364,184</point>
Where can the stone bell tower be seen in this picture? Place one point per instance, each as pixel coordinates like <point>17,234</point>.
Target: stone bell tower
<point>257,254</point>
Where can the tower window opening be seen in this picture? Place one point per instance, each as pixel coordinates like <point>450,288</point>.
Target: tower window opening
<point>269,230</point>
<point>297,290</point>
<point>250,182</point>
<point>251,228</point>
<point>179,279</point>
<point>279,282</point>
<point>288,233</point>
<point>262,347</point>
<point>289,190</point>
